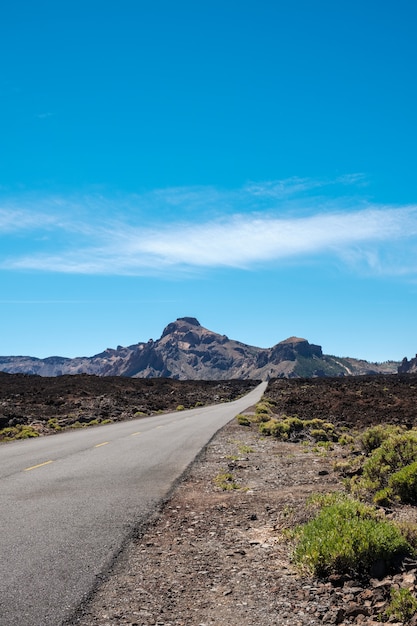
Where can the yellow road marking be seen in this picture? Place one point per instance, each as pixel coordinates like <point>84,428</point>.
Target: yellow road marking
<point>27,469</point>
<point>101,444</point>
<point>133,434</point>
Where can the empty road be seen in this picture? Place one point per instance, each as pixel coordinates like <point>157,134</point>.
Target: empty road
<point>69,502</point>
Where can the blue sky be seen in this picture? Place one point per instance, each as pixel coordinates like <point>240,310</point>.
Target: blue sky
<point>252,164</point>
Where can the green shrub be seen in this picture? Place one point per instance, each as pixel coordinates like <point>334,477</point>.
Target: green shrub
<point>319,434</point>
<point>180,407</point>
<point>8,433</point>
<point>373,437</point>
<point>383,497</point>
<point>409,532</point>
<point>345,440</point>
<point>26,432</point>
<point>403,484</point>
<point>263,407</point>
<point>17,432</point>
<point>349,537</point>
<point>226,481</point>
<point>265,428</point>
<point>315,423</point>
<point>243,420</point>
<point>403,605</point>
<point>53,423</point>
<point>258,418</point>
<point>324,445</point>
<point>392,455</point>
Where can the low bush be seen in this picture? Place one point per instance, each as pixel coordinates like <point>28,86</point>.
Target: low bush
<point>243,420</point>
<point>93,422</point>
<point>403,484</point>
<point>17,432</point>
<point>373,437</point>
<point>346,440</point>
<point>264,407</point>
<point>395,453</point>
<point>319,434</point>
<point>26,432</point>
<point>226,481</point>
<point>349,537</point>
<point>402,606</point>
<point>292,427</point>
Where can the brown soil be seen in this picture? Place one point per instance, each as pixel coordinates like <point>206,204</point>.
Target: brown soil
<point>354,401</point>
<point>33,400</point>
<point>216,557</point>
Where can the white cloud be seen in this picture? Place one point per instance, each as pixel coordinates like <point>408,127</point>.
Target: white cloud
<point>195,237</point>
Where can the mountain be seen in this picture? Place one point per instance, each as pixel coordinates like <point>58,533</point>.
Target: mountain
<point>408,366</point>
<point>187,350</point>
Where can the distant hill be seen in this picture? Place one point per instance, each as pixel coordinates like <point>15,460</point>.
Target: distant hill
<point>408,366</point>
<point>187,350</point>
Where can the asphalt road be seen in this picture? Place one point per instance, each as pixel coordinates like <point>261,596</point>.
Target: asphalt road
<point>69,502</point>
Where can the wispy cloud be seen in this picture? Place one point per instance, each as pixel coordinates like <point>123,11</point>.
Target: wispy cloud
<point>13,219</point>
<point>211,228</point>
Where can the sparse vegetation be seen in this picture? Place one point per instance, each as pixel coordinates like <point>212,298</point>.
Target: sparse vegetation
<point>244,449</point>
<point>390,471</point>
<point>18,432</point>
<point>403,605</point>
<point>373,437</point>
<point>349,537</point>
<point>243,420</point>
<point>293,428</point>
<point>226,481</point>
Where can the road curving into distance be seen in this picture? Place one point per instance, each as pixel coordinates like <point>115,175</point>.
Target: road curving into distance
<point>69,502</point>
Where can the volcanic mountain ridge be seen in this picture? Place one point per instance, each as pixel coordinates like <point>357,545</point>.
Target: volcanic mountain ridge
<point>188,351</point>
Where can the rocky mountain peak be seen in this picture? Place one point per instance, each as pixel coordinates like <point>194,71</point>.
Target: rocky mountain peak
<point>181,325</point>
<point>293,340</point>
<point>408,366</point>
<point>187,350</point>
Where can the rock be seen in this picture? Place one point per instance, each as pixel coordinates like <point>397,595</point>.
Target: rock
<point>354,609</point>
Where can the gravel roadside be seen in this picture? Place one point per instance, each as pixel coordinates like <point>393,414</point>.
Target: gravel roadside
<point>218,556</point>
<point>219,552</point>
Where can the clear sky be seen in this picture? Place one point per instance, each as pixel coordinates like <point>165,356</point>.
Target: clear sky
<point>250,163</point>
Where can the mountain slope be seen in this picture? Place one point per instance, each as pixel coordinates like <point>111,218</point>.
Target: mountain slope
<point>187,350</point>
<point>408,366</point>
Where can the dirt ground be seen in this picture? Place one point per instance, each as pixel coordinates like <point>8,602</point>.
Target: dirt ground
<point>223,557</point>
<point>79,399</point>
<point>354,401</point>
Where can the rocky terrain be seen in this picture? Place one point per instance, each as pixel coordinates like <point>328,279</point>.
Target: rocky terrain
<point>352,402</point>
<point>223,557</point>
<point>188,351</point>
<point>408,366</point>
<point>33,405</point>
